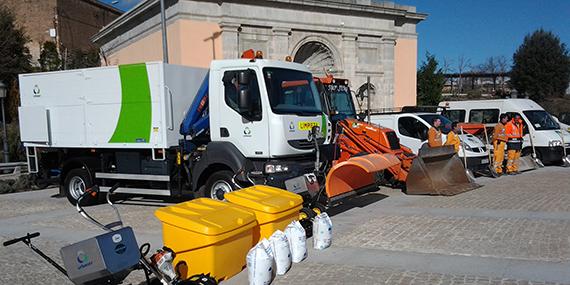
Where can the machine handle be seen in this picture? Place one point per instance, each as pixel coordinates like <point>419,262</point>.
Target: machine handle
<point>27,237</point>
<point>170,105</point>
<point>114,188</point>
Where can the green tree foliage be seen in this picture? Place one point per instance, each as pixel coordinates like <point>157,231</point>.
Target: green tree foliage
<point>430,82</point>
<point>541,66</point>
<point>83,59</point>
<point>14,58</point>
<point>14,55</point>
<point>49,57</point>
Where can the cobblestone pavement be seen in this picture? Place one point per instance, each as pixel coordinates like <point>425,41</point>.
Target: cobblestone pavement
<point>311,273</point>
<point>513,230</point>
<point>503,238</point>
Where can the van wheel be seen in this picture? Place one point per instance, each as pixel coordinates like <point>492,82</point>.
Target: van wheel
<point>76,181</point>
<point>217,185</point>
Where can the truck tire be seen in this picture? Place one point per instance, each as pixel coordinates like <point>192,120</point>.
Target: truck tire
<point>217,185</point>
<point>76,181</point>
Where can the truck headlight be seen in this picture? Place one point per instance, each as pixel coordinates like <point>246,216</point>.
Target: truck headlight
<point>467,147</point>
<point>555,143</point>
<point>271,168</point>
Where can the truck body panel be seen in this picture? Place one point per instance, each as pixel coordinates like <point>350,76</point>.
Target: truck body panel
<point>130,106</point>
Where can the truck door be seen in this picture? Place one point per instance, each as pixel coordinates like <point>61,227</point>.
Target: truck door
<point>413,133</point>
<point>246,129</point>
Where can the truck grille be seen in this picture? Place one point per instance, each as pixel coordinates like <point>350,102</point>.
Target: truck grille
<point>304,144</point>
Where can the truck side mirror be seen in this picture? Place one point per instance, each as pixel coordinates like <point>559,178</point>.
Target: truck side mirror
<point>243,77</point>
<point>244,104</point>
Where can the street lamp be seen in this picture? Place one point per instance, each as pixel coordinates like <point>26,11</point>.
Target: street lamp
<point>3,91</point>
<point>163,26</point>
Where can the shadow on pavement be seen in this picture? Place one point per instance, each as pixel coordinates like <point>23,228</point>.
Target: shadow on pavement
<point>356,202</point>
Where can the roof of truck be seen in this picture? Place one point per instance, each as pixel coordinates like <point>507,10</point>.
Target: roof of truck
<point>216,64</point>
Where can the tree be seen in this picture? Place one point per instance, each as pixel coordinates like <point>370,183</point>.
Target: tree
<point>49,57</point>
<point>463,64</point>
<point>502,68</point>
<point>541,66</point>
<point>430,82</point>
<point>82,59</point>
<point>14,57</point>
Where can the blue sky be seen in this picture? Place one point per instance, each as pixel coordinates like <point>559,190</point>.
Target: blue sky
<point>476,29</point>
<point>479,29</point>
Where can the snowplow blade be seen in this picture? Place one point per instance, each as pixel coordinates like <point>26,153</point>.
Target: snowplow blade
<point>438,171</point>
<point>526,163</point>
<point>357,173</point>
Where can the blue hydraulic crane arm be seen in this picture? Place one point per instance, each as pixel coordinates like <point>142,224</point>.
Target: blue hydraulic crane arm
<point>197,117</point>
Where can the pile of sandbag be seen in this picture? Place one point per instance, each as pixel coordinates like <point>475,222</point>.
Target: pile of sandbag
<point>274,256</point>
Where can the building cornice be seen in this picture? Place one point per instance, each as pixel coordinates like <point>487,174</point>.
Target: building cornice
<point>373,9</point>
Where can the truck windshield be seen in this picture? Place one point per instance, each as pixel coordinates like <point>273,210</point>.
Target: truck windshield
<point>292,92</point>
<point>445,122</point>
<point>541,120</point>
<point>341,100</point>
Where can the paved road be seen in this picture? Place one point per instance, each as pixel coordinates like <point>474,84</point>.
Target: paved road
<point>513,230</point>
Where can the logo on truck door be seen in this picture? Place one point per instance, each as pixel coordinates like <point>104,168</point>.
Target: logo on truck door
<point>36,91</point>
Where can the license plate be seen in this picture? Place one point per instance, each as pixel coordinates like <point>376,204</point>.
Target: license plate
<point>484,161</point>
<point>302,184</point>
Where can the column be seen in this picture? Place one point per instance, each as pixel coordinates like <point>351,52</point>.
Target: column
<point>387,88</point>
<point>279,47</point>
<point>349,57</point>
<point>230,40</point>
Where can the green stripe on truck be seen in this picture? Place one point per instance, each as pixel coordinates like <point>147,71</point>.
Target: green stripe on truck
<point>134,122</point>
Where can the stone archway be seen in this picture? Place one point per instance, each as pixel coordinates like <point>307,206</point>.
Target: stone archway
<point>319,57</point>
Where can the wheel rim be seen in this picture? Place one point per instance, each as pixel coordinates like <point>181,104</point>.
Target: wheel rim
<point>219,189</point>
<point>76,187</point>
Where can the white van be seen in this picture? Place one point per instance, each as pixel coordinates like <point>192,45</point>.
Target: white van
<point>547,137</point>
<point>412,130</point>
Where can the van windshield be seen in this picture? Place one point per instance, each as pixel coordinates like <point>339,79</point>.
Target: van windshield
<point>445,122</point>
<point>541,120</point>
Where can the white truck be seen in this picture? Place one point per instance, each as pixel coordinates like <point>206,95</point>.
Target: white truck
<point>412,130</point>
<point>162,129</point>
<point>548,139</point>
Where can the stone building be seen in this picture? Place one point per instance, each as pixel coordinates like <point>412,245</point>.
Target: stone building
<point>351,39</point>
<point>71,23</point>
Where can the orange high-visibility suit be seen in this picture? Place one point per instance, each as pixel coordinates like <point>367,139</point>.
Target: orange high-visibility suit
<point>514,144</point>
<point>453,139</point>
<point>499,142</point>
<point>434,137</point>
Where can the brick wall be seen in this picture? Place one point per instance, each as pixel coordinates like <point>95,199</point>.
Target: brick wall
<point>79,20</point>
<point>36,17</point>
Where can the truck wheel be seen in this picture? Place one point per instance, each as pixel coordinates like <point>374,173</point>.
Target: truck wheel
<point>218,184</point>
<point>76,181</point>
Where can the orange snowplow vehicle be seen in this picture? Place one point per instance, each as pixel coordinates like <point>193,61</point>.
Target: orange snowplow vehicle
<point>439,174</point>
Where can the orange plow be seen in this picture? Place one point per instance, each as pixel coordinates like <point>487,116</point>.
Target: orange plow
<point>358,173</point>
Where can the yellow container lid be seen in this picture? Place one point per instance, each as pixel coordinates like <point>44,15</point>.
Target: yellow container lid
<point>265,199</point>
<point>205,216</point>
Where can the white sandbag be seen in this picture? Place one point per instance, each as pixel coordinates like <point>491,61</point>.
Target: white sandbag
<point>281,251</point>
<point>260,264</point>
<point>297,241</point>
<point>322,231</point>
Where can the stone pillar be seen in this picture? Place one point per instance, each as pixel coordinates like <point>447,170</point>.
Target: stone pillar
<point>387,88</point>
<point>349,57</point>
<point>230,40</point>
<point>279,48</point>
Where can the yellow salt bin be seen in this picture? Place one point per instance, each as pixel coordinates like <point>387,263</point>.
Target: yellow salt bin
<point>209,236</point>
<point>274,208</point>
